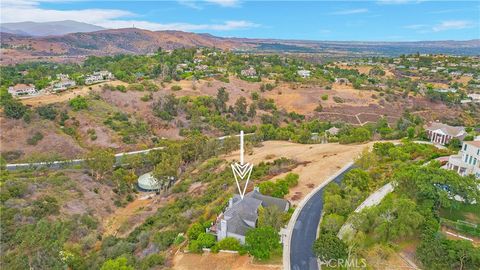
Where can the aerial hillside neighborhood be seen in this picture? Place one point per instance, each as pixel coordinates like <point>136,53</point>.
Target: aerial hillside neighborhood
<point>150,135</point>
<point>240,135</point>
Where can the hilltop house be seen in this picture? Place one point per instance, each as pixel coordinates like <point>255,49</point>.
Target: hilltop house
<point>242,215</point>
<point>62,76</point>
<point>467,161</point>
<point>342,80</point>
<point>442,133</point>
<point>22,90</point>
<point>63,84</point>
<point>445,90</point>
<point>98,76</point>
<point>250,72</point>
<point>303,73</point>
<point>333,131</point>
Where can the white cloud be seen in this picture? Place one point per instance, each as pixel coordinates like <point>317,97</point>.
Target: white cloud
<point>29,10</point>
<point>350,11</point>
<point>452,25</point>
<point>190,4</point>
<point>224,3</point>
<point>415,26</point>
<point>197,4</point>
<point>226,26</point>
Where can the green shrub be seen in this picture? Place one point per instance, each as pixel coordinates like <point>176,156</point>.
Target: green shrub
<point>151,261</point>
<point>227,243</point>
<point>78,103</point>
<point>324,97</point>
<point>280,188</point>
<point>47,112</point>
<point>195,230</point>
<point>121,88</point>
<point>338,99</point>
<point>35,138</point>
<point>262,241</point>
<point>14,109</point>
<point>176,88</point>
<point>45,206</point>
<point>164,239</point>
<point>136,87</point>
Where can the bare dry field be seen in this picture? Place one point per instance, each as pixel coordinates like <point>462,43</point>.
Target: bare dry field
<point>321,161</point>
<point>220,261</point>
<point>64,96</point>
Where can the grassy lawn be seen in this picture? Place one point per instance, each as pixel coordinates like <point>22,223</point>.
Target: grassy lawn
<point>276,257</point>
<point>465,212</point>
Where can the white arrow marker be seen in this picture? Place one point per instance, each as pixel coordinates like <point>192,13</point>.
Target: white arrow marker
<point>242,170</point>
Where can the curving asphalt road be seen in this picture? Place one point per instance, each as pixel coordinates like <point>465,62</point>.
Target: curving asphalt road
<point>305,231</point>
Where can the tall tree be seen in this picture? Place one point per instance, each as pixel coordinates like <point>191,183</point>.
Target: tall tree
<point>100,162</point>
<point>222,98</point>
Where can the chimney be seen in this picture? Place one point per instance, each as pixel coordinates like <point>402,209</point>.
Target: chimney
<point>223,229</point>
<point>230,203</point>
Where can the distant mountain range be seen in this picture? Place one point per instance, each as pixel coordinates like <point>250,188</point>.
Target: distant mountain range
<point>20,47</point>
<point>48,28</point>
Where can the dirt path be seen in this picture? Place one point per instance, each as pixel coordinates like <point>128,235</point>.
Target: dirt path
<point>322,160</point>
<point>124,220</point>
<point>220,261</point>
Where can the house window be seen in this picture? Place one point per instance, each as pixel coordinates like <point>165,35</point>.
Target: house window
<point>474,161</point>
<point>464,147</point>
<point>470,161</point>
<point>466,158</point>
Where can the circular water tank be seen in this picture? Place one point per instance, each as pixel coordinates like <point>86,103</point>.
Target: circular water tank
<point>148,182</point>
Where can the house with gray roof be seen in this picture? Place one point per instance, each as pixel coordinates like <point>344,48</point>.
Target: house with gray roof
<point>242,215</point>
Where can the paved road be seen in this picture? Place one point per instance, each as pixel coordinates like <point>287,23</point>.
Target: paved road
<point>305,231</point>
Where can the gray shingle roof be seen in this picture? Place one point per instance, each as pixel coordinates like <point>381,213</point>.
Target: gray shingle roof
<point>267,200</point>
<point>237,226</point>
<point>246,210</point>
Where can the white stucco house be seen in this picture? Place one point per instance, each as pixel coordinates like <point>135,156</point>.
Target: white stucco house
<point>304,73</point>
<point>467,161</point>
<point>22,90</point>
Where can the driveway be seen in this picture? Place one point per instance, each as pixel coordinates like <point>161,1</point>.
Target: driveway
<point>305,231</point>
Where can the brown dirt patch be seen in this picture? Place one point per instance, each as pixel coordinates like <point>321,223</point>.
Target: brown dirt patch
<point>220,261</point>
<point>324,160</point>
<point>124,220</point>
<point>15,133</point>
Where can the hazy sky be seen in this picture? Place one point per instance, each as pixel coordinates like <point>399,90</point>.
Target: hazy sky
<point>389,20</point>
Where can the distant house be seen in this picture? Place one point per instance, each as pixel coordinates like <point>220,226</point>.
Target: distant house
<point>445,90</point>
<point>333,131</point>
<point>250,72</point>
<point>474,97</point>
<point>303,73</point>
<point>341,80</point>
<point>467,161</point>
<point>442,134</point>
<point>62,77</point>
<point>22,90</point>
<point>201,67</point>
<point>242,215</point>
<point>63,85</point>
<point>99,76</point>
